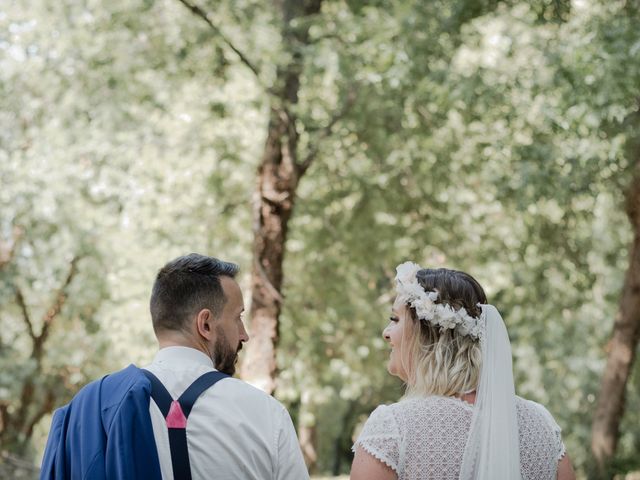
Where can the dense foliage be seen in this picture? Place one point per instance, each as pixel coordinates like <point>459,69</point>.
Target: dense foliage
<point>494,137</point>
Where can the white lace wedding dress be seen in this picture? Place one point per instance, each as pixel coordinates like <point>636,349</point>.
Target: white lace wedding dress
<point>424,438</point>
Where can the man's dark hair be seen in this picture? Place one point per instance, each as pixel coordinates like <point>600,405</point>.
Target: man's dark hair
<point>185,286</point>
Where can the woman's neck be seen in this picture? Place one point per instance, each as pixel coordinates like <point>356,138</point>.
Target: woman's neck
<point>468,397</point>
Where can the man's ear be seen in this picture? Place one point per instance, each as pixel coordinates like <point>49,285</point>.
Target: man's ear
<point>204,323</point>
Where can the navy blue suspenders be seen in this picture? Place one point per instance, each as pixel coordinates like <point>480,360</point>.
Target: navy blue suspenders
<point>176,413</point>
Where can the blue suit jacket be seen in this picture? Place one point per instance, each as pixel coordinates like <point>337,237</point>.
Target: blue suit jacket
<point>105,432</point>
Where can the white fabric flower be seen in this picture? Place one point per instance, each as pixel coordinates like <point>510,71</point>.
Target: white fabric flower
<point>446,317</point>
<point>406,272</point>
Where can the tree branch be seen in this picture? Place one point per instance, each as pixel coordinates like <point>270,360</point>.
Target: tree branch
<point>10,462</point>
<point>25,313</point>
<point>199,12</point>
<point>46,406</point>
<point>8,249</point>
<point>54,310</point>
<point>326,132</point>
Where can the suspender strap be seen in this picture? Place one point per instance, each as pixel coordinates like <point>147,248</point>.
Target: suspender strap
<point>191,394</point>
<point>176,413</point>
<point>159,394</point>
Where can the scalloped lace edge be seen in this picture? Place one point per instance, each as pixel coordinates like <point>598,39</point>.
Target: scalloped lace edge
<point>378,456</point>
<point>563,451</point>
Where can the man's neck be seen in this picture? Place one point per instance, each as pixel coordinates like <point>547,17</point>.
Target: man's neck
<point>178,339</point>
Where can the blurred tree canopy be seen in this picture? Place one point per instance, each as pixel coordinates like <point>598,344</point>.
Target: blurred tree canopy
<point>497,137</point>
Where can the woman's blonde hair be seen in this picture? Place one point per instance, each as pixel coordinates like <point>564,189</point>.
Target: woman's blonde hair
<point>442,361</point>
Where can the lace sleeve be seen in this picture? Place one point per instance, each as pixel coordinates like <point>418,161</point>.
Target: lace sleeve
<point>380,437</point>
<point>559,444</point>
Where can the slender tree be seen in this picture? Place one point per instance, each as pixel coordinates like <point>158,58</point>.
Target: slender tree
<point>621,349</point>
<point>278,175</point>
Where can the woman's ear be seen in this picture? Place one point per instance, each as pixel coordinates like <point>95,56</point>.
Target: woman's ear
<point>204,323</point>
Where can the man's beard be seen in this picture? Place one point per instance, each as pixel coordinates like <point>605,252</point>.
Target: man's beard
<point>224,354</point>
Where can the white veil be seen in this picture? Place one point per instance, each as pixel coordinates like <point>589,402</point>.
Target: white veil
<point>492,451</point>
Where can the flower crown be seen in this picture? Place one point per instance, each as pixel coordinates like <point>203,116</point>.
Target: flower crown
<point>439,314</point>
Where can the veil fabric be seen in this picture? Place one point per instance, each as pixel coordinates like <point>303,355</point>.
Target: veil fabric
<point>492,451</point>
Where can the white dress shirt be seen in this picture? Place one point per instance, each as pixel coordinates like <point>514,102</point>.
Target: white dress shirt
<point>234,432</point>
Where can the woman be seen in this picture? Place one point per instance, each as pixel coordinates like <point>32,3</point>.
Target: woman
<point>460,418</point>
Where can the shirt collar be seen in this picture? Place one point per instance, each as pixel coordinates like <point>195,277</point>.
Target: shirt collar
<point>182,357</point>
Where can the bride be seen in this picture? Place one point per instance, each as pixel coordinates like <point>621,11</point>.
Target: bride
<point>460,418</point>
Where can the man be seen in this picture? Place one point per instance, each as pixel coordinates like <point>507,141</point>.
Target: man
<point>119,427</point>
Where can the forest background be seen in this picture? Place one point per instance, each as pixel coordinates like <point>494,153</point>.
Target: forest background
<point>319,143</point>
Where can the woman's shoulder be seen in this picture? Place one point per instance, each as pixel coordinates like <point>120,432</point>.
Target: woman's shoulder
<point>534,420</point>
<point>381,422</point>
<point>385,415</point>
<point>539,431</point>
<point>531,409</point>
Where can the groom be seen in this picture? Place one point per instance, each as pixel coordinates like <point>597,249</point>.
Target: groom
<point>183,416</point>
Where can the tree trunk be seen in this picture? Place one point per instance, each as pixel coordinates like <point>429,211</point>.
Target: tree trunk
<point>621,350</point>
<point>308,440</point>
<point>343,439</point>
<point>278,175</point>
<point>273,205</point>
